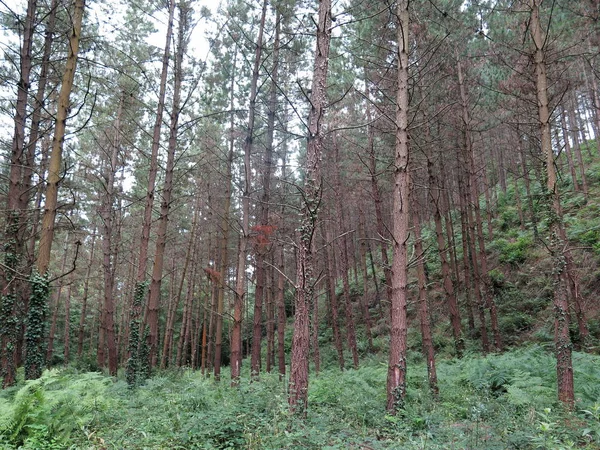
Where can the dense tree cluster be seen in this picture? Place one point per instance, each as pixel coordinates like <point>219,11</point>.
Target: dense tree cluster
<point>321,174</point>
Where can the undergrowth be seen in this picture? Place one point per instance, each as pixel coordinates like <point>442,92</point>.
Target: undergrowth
<point>505,401</point>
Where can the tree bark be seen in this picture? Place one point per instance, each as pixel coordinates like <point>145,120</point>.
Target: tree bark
<point>298,388</point>
<point>84,299</point>
<point>161,232</point>
<point>564,366</point>
<point>428,350</point>
<point>259,292</point>
<point>435,197</point>
<point>55,164</point>
<point>478,224</point>
<point>396,380</point>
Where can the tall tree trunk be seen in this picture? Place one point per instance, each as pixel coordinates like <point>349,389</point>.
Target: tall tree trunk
<point>259,292</point>
<point>478,224</point>
<point>428,350</point>
<point>236,332</point>
<point>168,340</point>
<point>107,215</point>
<point>39,288</point>
<point>396,380</point>
<point>56,306</point>
<point>332,296</point>
<point>573,125</point>
<point>298,389</point>
<point>187,308</point>
<point>270,306</point>
<point>281,318</point>
<point>364,302</point>
<point>377,200</point>
<point>568,150</point>
<point>135,364</point>
<point>469,238</point>
<point>84,299</point>
<point>435,197</point>
<point>342,242</point>
<point>161,232</point>
<point>527,180</point>
<point>67,329</point>
<point>564,365</point>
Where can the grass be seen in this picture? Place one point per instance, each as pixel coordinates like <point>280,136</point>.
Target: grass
<point>496,402</point>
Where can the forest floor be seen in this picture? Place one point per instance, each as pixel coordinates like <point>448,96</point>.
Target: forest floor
<point>502,401</point>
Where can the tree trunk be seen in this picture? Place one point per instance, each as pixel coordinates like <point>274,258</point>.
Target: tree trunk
<point>298,389</point>
<point>161,233</point>
<point>573,125</point>
<point>396,380</point>
<point>478,224</point>
<point>332,296</point>
<point>238,305</point>
<point>435,197</point>
<point>281,318</point>
<point>364,302</point>
<point>84,299</point>
<point>376,193</point>
<point>568,151</point>
<point>342,242</point>
<point>14,234</point>
<point>168,340</point>
<point>469,237</point>
<point>56,306</point>
<point>259,292</point>
<point>564,366</point>
<point>428,350</point>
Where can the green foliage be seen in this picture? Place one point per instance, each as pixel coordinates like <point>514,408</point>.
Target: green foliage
<point>138,365</point>
<point>36,325</point>
<point>46,412</point>
<point>497,402</point>
<point>513,252</point>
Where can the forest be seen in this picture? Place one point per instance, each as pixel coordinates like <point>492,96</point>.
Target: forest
<point>300,224</point>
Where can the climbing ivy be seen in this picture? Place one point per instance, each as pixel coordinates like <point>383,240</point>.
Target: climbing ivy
<point>9,320</point>
<point>138,368</point>
<point>36,325</point>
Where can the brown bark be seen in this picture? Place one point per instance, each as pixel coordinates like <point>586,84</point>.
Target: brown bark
<point>478,224</point>
<point>468,281</point>
<point>161,233</point>
<point>376,193</point>
<point>107,215</point>
<point>56,306</point>
<point>332,296</point>
<point>342,242</point>
<point>568,151</point>
<point>573,125</point>
<point>168,340</point>
<point>298,384</point>
<point>435,197</point>
<point>153,168</point>
<point>281,318</point>
<point>13,302</point>
<point>261,247</point>
<point>270,306</point>
<point>364,302</point>
<point>396,380</point>
<point>55,163</point>
<point>84,299</point>
<point>564,366</point>
<point>469,238</point>
<point>238,305</point>
<point>428,350</point>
